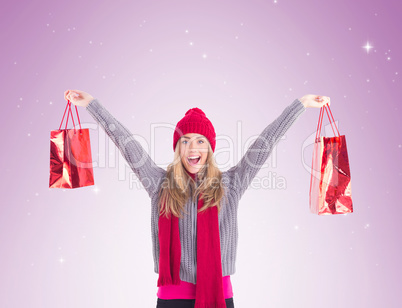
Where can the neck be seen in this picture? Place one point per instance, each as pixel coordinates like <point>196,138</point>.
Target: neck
<point>193,175</point>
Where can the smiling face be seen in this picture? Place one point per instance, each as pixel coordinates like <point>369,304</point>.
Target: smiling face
<point>193,146</point>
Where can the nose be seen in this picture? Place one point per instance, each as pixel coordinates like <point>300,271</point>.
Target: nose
<point>193,144</point>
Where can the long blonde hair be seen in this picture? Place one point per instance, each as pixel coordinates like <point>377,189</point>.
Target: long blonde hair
<point>175,191</point>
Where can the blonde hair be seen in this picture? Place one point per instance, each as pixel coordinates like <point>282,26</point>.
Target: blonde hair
<point>175,191</point>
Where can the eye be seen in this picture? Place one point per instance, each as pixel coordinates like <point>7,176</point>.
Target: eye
<point>202,141</point>
<point>184,141</point>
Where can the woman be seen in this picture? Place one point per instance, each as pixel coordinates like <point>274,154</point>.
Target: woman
<point>194,204</point>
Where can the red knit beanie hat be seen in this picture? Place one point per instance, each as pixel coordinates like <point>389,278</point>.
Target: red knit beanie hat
<point>196,122</point>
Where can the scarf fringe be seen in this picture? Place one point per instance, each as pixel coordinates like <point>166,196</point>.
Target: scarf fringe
<point>210,305</point>
<point>164,281</point>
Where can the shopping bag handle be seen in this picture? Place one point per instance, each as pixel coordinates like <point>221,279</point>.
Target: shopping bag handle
<point>320,118</point>
<point>72,118</point>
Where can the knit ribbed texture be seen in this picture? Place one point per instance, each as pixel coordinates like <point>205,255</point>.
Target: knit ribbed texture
<point>195,121</point>
<point>236,181</point>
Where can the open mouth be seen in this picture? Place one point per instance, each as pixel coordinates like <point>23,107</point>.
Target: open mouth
<point>193,160</point>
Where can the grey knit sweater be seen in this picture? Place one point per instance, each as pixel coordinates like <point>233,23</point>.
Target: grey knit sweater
<point>235,180</point>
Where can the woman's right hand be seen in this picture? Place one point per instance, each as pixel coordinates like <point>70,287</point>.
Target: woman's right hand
<point>315,101</point>
<point>78,98</point>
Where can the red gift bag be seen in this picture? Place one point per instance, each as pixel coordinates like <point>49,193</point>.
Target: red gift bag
<point>70,156</point>
<point>330,183</point>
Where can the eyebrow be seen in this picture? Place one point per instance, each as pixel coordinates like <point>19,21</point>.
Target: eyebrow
<point>195,138</point>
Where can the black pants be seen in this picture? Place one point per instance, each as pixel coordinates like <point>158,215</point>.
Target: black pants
<point>185,303</point>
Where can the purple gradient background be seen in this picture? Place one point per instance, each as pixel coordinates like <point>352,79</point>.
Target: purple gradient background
<point>91,247</point>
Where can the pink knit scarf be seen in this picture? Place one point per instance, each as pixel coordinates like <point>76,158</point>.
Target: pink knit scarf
<point>209,289</point>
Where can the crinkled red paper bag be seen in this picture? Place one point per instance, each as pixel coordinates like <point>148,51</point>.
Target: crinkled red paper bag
<point>330,185</point>
<point>70,156</point>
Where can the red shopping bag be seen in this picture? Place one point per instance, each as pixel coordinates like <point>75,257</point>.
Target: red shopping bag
<point>330,183</point>
<point>70,156</point>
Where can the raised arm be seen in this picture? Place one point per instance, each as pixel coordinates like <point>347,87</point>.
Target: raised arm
<point>138,159</point>
<point>241,175</point>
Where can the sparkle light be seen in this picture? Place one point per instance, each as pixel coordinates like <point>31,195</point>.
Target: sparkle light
<point>368,47</point>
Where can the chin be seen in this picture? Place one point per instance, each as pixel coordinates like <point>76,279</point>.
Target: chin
<point>194,169</point>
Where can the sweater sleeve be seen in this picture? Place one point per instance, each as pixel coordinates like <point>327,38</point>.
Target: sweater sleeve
<point>138,159</point>
<point>241,175</point>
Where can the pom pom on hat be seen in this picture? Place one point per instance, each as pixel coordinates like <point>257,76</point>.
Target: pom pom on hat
<point>196,110</point>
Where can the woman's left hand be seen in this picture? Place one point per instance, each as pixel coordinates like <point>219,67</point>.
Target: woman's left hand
<point>315,101</point>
